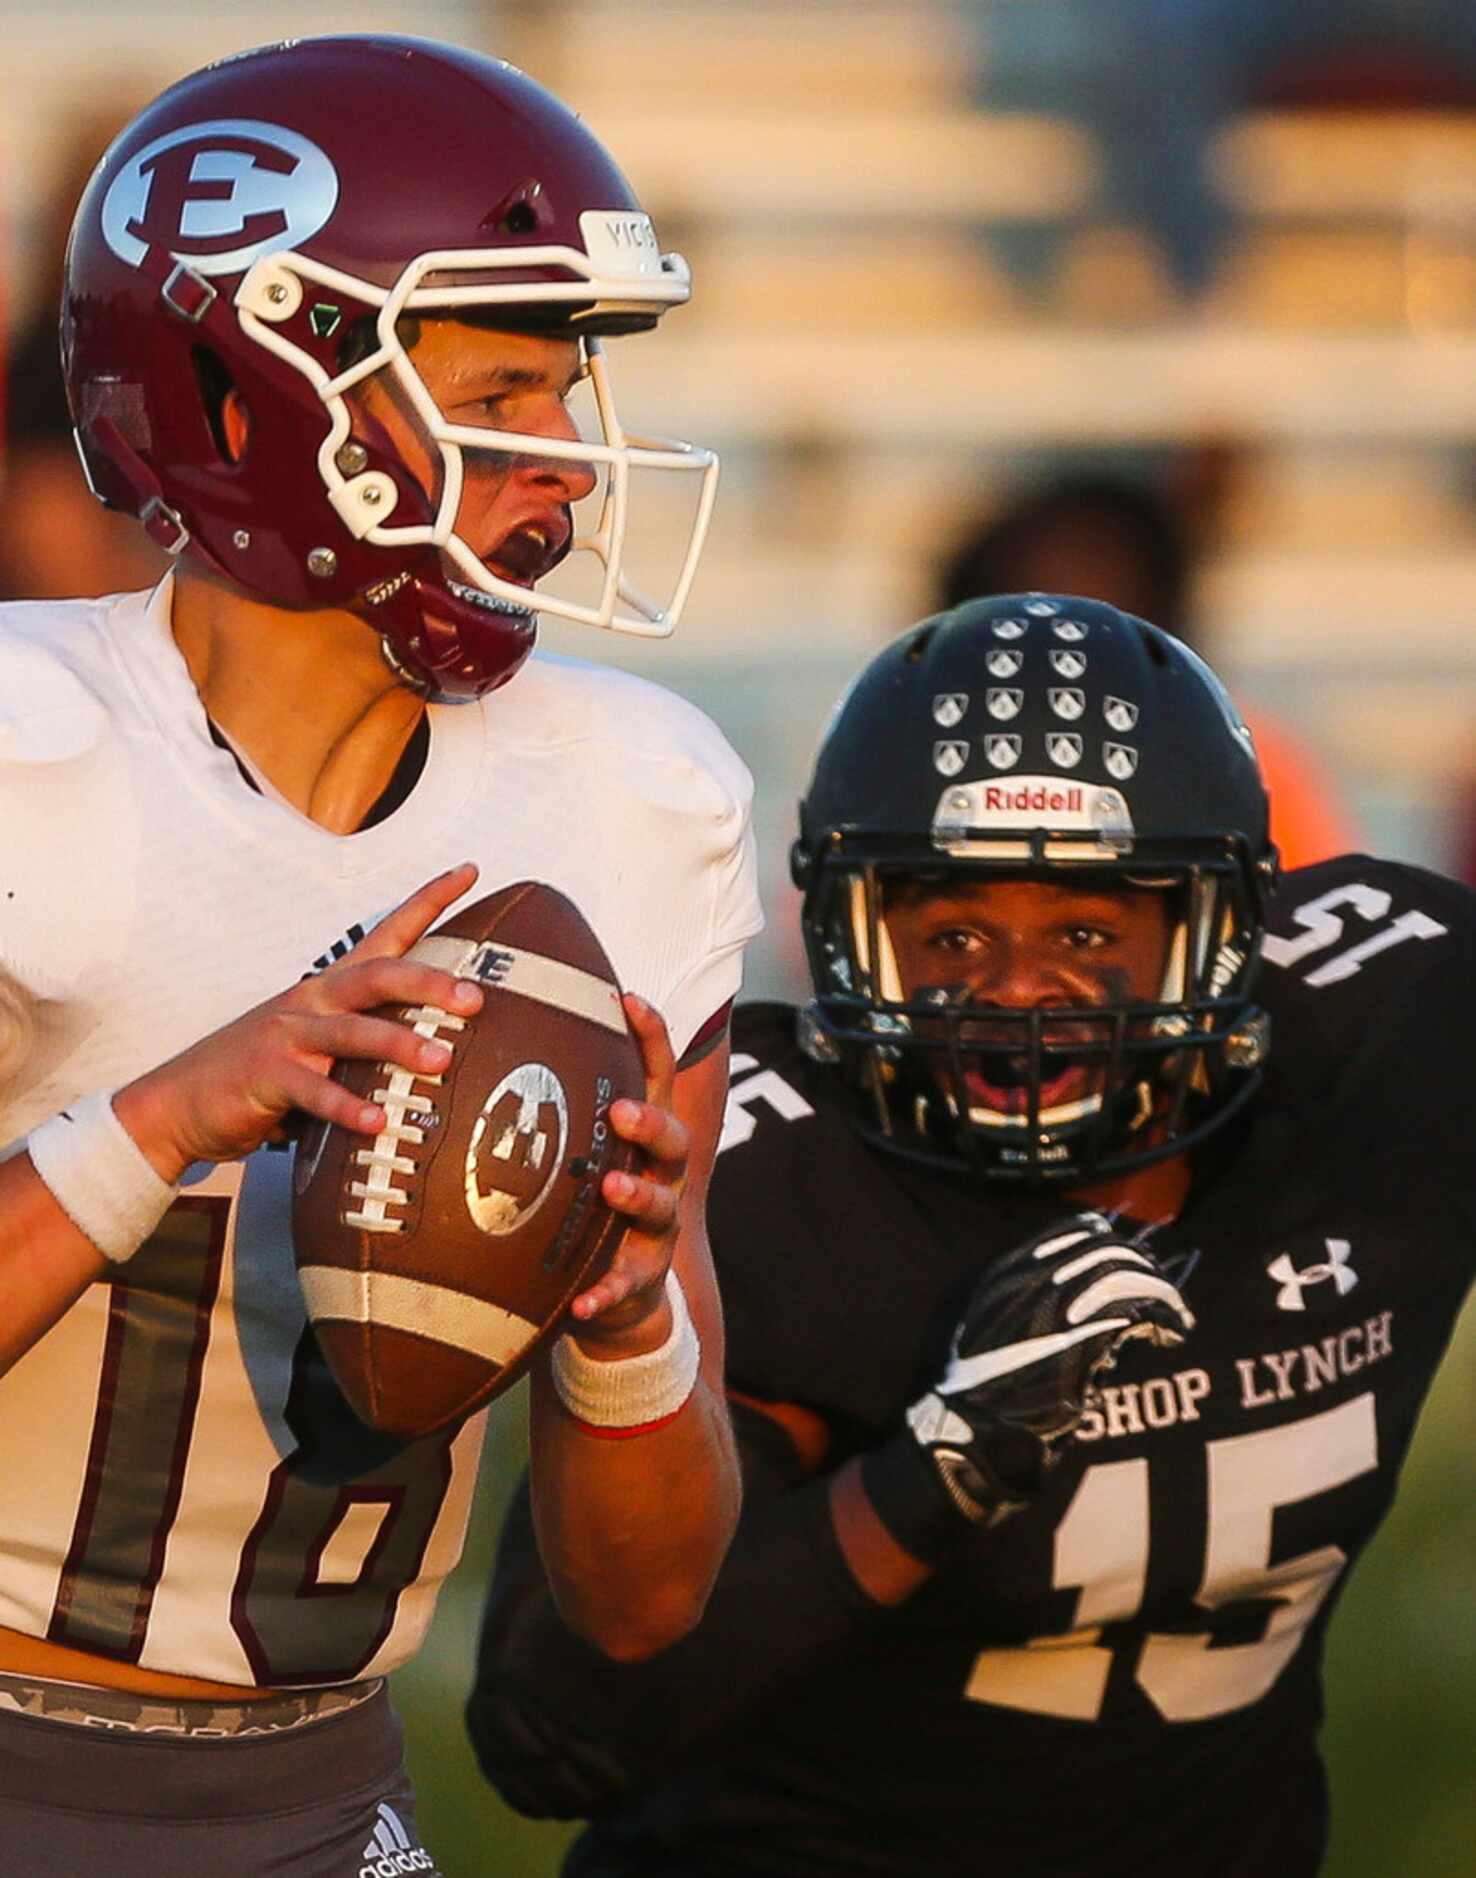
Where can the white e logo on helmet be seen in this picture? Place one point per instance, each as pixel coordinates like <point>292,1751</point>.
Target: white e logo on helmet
<point>219,195</point>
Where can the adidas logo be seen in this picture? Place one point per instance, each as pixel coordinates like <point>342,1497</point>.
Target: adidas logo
<point>389,1852</point>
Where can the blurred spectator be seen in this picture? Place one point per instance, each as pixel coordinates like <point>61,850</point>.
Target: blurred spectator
<point>1156,80</point>
<point>1113,538</point>
<point>56,540</point>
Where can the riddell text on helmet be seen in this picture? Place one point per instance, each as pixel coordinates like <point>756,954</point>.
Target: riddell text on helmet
<point>1035,799</point>
<point>1040,798</point>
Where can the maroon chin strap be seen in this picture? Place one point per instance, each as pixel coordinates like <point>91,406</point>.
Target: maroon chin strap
<point>450,649</point>
<point>164,525</point>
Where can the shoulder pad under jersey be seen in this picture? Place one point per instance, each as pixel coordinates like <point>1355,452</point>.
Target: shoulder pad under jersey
<point>47,714</point>
<point>1367,974</point>
<point>815,1244</point>
<point>1367,925</point>
<point>68,829</point>
<point>769,1078</point>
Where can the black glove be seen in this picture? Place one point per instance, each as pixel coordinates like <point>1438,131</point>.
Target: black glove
<point>1043,1321</point>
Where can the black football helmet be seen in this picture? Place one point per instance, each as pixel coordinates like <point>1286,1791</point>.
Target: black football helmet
<point>1050,737</point>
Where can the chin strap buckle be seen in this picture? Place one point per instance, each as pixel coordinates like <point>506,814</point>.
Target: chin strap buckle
<point>164,525</point>
<point>188,294</point>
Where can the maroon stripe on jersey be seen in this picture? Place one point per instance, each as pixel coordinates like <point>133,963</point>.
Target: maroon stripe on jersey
<point>709,1036</point>
<point>293,1627</point>
<point>102,1423</point>
<point>148,1392</point>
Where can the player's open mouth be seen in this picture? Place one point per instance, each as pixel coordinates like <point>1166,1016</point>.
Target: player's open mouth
<point>1002,1083</point>
<point>997,1069</point>
<point>530,551</point>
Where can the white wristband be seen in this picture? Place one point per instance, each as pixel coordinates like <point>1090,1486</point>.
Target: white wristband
<point>633,1391</point>
<point>99,1176</point>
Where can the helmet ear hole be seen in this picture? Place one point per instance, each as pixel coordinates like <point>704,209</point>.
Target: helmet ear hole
<point>356,342</point>
<point>216,384</point>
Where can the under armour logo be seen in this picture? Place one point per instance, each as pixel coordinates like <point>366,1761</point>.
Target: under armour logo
<point>1293,1283</point>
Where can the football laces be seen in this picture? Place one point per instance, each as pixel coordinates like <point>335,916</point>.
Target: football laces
<point>401,1102</point>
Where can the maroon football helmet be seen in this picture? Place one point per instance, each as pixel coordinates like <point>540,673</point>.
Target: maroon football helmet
<point>266,225</point>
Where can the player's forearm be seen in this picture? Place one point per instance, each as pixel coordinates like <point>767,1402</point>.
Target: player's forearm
<point>884,1570</point>
<point>633,1529</point>
<point>46,1262</point>
<point>635,1479</point>
<point>561,1731</point>
<point>87,1192</point>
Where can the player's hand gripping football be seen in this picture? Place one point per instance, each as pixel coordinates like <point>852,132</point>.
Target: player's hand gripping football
<point>628,1302</point>
<point>232,1091</point>
<point>1042,1323</point>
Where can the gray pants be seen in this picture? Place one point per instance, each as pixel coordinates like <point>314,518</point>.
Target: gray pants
<point>325,1798</point>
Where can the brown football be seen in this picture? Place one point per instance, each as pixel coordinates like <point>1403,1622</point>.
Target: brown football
<point>436,1257</point>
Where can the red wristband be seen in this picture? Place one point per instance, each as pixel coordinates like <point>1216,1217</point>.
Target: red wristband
<point>624,1434</point>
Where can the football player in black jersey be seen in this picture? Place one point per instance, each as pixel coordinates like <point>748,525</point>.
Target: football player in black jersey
<point>1083,1283</point>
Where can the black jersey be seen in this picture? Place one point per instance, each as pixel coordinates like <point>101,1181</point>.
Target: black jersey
<point>1123,1680</point>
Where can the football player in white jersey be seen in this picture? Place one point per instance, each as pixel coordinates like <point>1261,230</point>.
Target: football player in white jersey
<point>326,305</point>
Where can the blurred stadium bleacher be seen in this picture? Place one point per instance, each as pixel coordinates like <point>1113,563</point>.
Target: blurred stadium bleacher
<point>875,366</point>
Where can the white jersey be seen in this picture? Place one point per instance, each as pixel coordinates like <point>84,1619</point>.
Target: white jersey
<point>184,1487</point>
